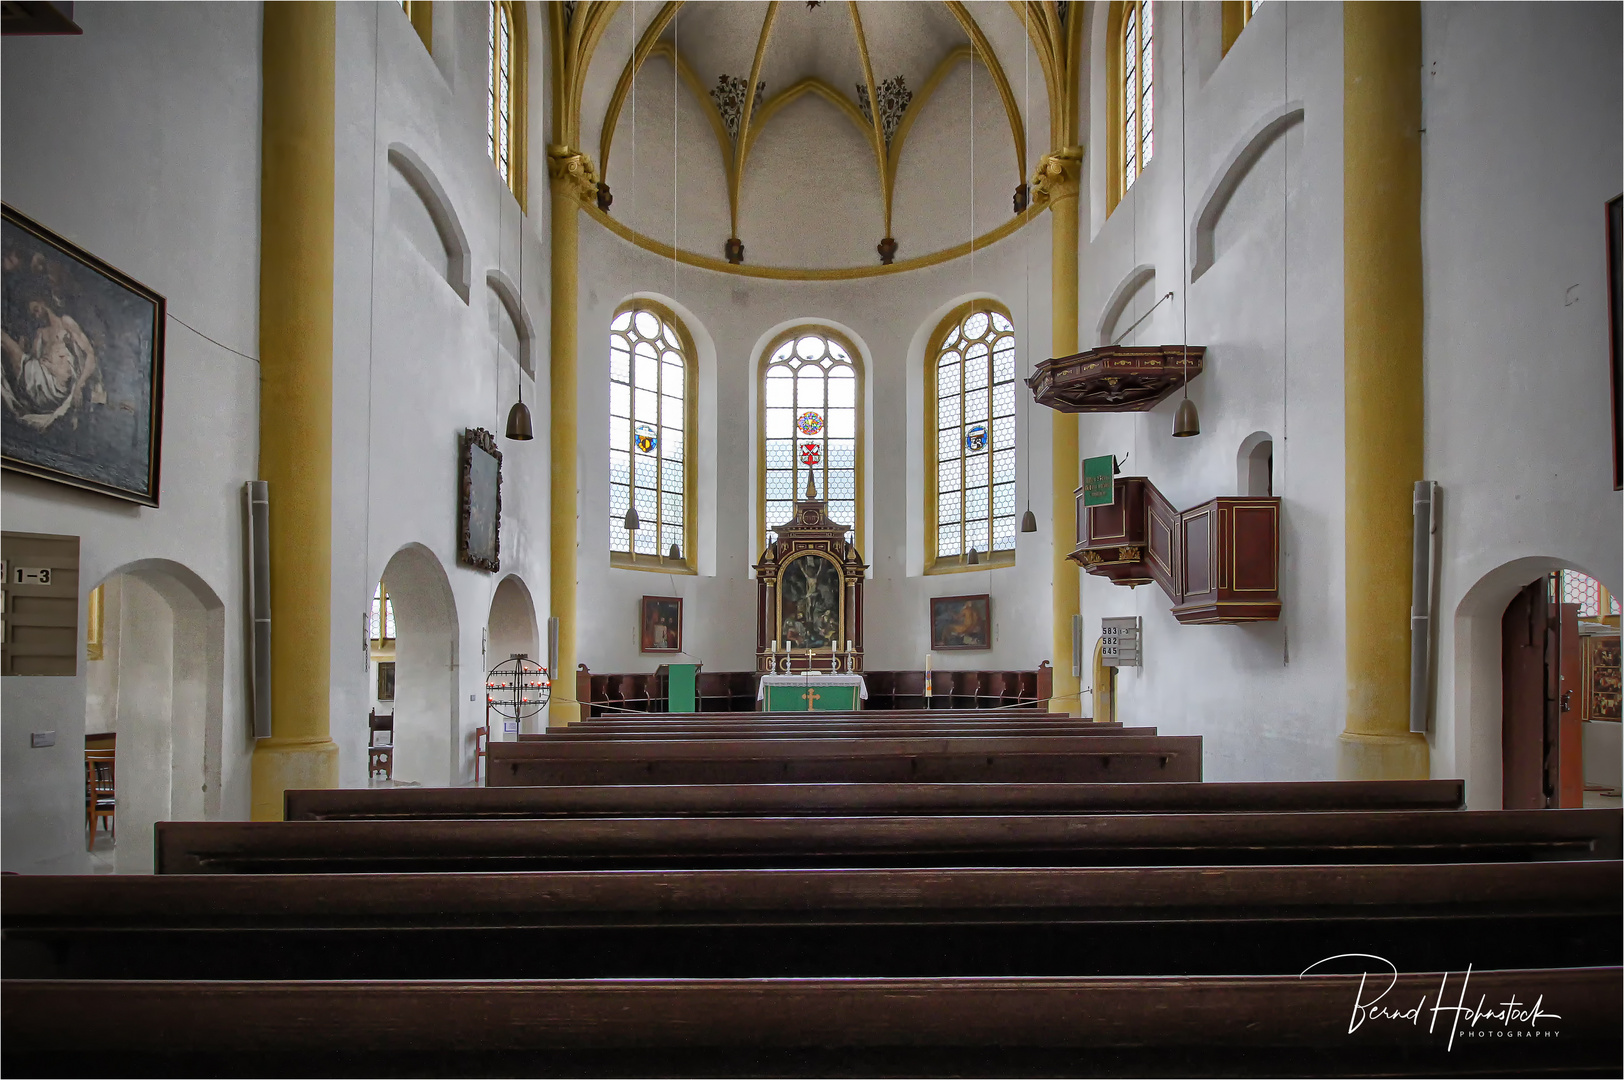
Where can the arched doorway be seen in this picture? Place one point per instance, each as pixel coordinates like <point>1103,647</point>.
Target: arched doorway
<point>1493,637</point>
<point>426,747</point>
<point>511,628</point>
<point>156,683</point>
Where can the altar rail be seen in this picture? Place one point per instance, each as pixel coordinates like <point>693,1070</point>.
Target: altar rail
<point>735,691</point>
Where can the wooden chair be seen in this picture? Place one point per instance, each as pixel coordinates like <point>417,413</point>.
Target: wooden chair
<point>381,746</point>
<point>100,797</point>
<point>482,738</point>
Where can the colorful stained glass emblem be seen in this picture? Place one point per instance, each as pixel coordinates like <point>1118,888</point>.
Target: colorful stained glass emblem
<point>975,437</point>
<point>646,439</point>
<point>811,453</point>
<point>809,423</point>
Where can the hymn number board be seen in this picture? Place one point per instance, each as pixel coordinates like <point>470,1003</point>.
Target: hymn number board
<point>809,594</point>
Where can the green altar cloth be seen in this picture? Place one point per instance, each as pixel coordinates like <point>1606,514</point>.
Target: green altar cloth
<point>811,693</point>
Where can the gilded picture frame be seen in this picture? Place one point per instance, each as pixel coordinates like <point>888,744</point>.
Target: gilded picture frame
<point>660,625</point>
<point>960,622</point>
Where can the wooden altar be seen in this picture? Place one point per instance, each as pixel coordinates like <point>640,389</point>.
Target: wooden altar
<point>809,595</point>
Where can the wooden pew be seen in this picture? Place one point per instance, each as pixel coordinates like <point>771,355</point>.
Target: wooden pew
<point>676,800</point>
<point>833,760</point>
<point>891,922</point>
<point>441,846</point>
<point>854,731</point>
<point>1080,1026</point>
<point>1171,970</point>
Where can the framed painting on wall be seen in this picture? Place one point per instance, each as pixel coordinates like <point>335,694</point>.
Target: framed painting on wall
<point>479,539</point>
<point>960,622</point>
<point>386,680</point>
<point>83,367</point>
<point>661,624</point>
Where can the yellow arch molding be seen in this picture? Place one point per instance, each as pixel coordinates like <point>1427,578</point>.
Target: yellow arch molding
<point>784,273</point>
<point>990,60</point>
<point>880,151</point>
<point>691,79</point>
<point>749,107</point>
<point>646,46</point>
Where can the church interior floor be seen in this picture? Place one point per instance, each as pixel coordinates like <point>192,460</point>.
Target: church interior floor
<point>102,854</point>
<point>1602,799</point>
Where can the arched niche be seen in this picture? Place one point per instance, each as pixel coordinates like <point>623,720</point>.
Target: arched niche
<point>1231,172</point>
<point>1133,295</point>
<point>427,747</point>
<point>420,208</point>
<point>510,320</point>
<point>1254,465</point>
<point>160,686</point>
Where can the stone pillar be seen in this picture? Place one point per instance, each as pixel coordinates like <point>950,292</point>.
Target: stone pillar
<point>1057,184</point>
<point>571,182</point>
<point>1382,372</point>
<point>296,394</point>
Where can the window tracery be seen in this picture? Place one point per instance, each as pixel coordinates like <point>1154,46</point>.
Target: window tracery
<point>971,443</point>
<point>811,428</point>
<point>650,421</point>
<point>1138,79</point>
<point>504,99</point>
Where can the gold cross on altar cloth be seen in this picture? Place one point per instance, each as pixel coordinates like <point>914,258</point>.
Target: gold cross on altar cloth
<point>810,697</point>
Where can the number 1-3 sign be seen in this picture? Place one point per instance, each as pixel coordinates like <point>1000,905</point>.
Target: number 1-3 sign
<point>30,575</point>
<point>1098,489</point>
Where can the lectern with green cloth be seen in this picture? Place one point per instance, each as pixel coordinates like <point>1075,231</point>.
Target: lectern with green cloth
<point>811,693</point>
<point>677,683</point>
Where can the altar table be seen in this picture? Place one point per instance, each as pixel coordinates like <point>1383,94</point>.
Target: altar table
<point>811,693</point>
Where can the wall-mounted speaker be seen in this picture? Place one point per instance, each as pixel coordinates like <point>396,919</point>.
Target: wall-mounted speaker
<point>257,495</point>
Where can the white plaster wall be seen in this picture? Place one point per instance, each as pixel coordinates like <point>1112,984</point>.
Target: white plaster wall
<point>146,748</point>
<point>1268,698</point>
<point>732,318</point>
<point>139,140</point>
<point>414,364</point>
<point>1523,118</point>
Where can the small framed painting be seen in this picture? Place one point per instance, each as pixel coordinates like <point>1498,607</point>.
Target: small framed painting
<point>83,367</point>
<point>661,629</point>
<point>960,622</point>
<point>386,680</point>
<point>479,540</point>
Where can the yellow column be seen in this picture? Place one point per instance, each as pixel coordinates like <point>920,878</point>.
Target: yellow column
<point>296,394</point>
<point>571,179</point>
<point>1057,183</point>
<point>1382,338</point>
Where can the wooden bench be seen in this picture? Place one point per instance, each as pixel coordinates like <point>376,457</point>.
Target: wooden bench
<point>853,731</point>
<point>931,760</point>
<point>676,800</point>
<point>1183,971</point>
<point>441,846</point>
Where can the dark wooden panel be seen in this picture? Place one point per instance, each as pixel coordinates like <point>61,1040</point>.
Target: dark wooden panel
<point>1019,840</point>
<point>340,804</point>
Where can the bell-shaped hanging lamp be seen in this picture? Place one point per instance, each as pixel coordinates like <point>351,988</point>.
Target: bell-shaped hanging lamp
<point>676,553</point>
<point>518,425</point>
<point>632,524</point>
<point>975,557</point>
<point>1029,521</point>
<point>1186,421</point>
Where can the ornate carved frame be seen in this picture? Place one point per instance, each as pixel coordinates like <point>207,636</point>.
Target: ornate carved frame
<point>485,441</point>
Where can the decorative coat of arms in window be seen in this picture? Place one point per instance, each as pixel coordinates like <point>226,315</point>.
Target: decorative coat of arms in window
<point>975,437</point>
<point>646,440</point>
<point>809,423</point>
<point>811,454</point>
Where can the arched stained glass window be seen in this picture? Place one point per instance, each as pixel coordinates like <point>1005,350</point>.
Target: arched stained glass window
<point>651,403</point>
<point>1138,77</point>
<point>1591,595</point>
<point>383,616</point>
<point>970,438</point>
<point>504,99</point>
<point>812,428</point>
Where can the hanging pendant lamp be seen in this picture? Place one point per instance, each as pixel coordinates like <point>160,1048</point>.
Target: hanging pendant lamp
<point>1186,422</point>
<point>1029,521</point>
<point>975,557</point>
<point>518,425</point>
<point>631,522</point>
<point>675,554</point>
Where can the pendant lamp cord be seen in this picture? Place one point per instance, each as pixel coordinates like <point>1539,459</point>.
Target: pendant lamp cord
<point>1184,196</point>
<point>1026,253</point>
<point>372,327</point>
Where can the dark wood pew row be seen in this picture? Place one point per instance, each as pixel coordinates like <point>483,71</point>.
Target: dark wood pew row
<point>796,731</point>
<point>1031,759</point>
<point>810,972</point>
<point>1282,1025</point>
<point>745,800</point>
<point>883,923</point>
<point>443,846</point>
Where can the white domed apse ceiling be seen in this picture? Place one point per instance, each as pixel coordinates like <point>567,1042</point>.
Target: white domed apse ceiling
<point>816,136</point>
